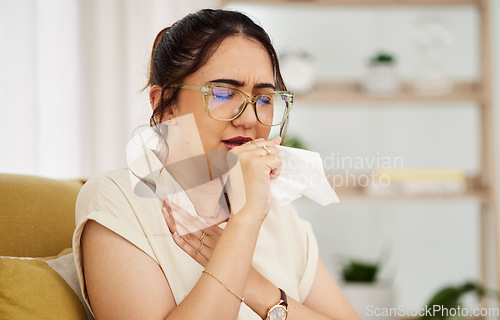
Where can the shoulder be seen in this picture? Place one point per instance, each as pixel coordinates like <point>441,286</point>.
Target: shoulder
<point>106,191</point>
<point>105,180</point>
<point>288,216</point>
<point>297,231</point>
<point>108,199</point>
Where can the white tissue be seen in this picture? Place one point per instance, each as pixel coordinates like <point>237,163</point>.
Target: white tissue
<point>302,174</point>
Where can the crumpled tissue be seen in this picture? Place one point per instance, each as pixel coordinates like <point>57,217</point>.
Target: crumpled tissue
<point>302,174</point>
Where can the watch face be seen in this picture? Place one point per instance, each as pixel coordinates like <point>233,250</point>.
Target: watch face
<point>277,312</point>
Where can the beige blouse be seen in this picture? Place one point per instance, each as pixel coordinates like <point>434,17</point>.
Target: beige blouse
<point>286,251</point>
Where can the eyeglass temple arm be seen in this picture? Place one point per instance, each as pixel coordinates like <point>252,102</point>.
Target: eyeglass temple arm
<point>204,89</point>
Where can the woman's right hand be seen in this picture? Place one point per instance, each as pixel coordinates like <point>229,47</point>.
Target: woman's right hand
<point>258,168</point>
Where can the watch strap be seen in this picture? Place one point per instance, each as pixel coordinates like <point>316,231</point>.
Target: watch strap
<point>283,297</point>
<point>283,303</point>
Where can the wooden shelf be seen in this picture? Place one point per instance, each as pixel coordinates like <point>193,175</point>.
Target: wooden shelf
<point>353,92</point>
<point>365,3</point>
<point>357,193</point>
<point>360,195</point>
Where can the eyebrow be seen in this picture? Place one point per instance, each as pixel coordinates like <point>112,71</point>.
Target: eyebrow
<point>240,84</point>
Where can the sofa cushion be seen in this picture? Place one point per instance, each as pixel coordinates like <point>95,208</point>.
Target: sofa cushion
<point>40,288</point>
<point>37,215</point>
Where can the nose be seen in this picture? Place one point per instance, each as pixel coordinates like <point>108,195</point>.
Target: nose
<point>247,119</point>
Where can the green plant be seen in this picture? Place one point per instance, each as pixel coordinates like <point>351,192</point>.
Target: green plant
<point>294,142</point>
<point>358,271</point>
<point>450,298</point>
<point>382,57</point>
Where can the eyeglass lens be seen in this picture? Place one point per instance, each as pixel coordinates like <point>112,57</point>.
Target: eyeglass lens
<point>226,103</point>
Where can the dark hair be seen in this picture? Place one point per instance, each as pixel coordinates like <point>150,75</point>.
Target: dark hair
<point>180,50</point>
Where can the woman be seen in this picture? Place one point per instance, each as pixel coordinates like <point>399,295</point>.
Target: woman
<point>264,264</point>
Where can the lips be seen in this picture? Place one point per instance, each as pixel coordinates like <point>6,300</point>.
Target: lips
<point>235,141</point>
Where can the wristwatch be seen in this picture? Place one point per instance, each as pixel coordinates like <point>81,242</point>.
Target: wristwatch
<point>280,310</point>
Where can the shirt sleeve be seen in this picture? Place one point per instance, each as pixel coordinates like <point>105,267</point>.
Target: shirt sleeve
<point>311,257</point>
<point>103,200</point>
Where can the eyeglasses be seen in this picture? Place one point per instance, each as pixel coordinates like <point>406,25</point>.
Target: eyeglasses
<point>226,103</point>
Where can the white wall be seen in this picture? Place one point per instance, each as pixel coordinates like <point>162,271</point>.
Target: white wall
<point>431,243</point>
<point>40,88</point>
<point>71,74</point>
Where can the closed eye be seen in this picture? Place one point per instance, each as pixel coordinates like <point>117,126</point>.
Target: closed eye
<point>222,94</point>
<point>266,100</point>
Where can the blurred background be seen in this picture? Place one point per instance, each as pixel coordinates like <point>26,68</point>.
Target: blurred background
<point>383,91</point>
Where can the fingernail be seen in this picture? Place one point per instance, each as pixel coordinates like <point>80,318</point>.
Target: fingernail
<point>165,212</point>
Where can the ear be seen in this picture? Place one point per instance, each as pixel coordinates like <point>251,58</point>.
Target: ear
<point>154,95</point>
<point>154,99</point>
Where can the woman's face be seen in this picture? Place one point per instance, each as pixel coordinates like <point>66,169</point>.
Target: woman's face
<point>243,63</point>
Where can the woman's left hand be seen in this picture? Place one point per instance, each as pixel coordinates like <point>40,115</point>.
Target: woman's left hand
<point>194,236</point>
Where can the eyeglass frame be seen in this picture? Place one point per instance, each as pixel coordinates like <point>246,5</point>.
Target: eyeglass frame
<point>253,100</point>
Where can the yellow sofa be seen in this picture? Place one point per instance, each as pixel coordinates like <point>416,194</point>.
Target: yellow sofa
<point>37,219</point>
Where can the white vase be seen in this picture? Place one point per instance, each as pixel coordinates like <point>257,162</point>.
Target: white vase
<point>381,78</point>
<point>370,300</point>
